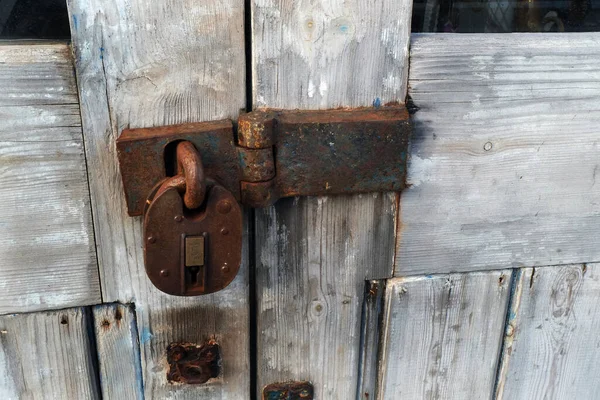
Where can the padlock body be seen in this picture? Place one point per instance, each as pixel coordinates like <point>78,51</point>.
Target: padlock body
<point>192,252</point>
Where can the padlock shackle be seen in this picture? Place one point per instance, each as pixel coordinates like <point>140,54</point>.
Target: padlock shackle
<point>189,164</point>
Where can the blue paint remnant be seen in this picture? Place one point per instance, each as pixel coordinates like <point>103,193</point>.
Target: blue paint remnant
<point>146,335</point>
<point>377,103</point>
<point>429,276</point>
<point>101,53</point>
<point>75,21</point>
<point>344,28</point>
<point>512,315</point>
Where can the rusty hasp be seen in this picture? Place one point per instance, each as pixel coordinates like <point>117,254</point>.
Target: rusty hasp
<point>277,153</point>
<point>192,364</point>
<point>326,152</point>
<point>288,391</point>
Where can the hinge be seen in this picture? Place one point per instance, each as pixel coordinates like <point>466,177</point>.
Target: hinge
<point>277,153</point>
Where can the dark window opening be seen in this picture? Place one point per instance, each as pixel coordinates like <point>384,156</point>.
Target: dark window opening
<point>34,19</point>
<point>499,16</point>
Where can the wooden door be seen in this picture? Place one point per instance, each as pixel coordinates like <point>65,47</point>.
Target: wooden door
<point>478,281</point>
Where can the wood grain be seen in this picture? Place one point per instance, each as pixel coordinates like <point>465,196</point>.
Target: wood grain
<point>118,348</point>
<point>143,64</point>
<point>47,355</point>
<point>314,254</point>
<point>442,335</point>
<point>505,154</point>
<point>551,346</point>
<point>47,255</point>
<point>36,73</point>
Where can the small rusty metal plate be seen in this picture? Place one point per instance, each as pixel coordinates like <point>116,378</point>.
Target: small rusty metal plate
<point>142,157</point>
<point>170,230</point>
<point>288,391</point>
<point>192,364</point>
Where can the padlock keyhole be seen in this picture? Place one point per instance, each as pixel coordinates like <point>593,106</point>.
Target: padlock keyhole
<point>195,260</point>
<point>194,271</point>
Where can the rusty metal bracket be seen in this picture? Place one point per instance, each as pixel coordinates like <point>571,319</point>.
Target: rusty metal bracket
<point>192,364</point>
<point>288,391</point>
<point>277,153</point>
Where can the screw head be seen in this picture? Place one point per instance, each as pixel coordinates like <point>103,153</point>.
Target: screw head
<point>487,146</point>
<point>224,206</point>
<point>225,268</point>
<point>164,272</point>
<point>224,231</point>
<point>151,239</point>
<point>178,218</point>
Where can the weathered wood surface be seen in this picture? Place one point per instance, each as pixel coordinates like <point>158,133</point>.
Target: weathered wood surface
<point>47,355</point>
<point>142,64</point>
<point>372,313</point>
<point>442,335</point>
<point>314,254</point>
<point>505,153</point>
<point>118,348</point>
<point>313,258</point>
<point>551,346</point>
<point>47,255</point>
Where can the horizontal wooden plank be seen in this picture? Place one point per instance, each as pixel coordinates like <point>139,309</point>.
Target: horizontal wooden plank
<point>118,349</point>
<point>47,250</point>
<point>551,346</point>
<point>36,73</point>
<point>48,355</point>
<point>505,155</point>
<point>442,335</point>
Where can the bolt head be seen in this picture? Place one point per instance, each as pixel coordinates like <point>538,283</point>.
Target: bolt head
<point>224,206</point>
<point>178,218</point>
<point>151,239</point>
<point>225,268</point>
<point>164,272</point>
<point>224,231</point>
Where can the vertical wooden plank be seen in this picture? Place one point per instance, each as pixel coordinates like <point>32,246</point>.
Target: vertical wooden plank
<point>142,64</point>
<point>442,335</point>
<point>370,340</point>
<point>551,345</point>
<point>118,349</point>
<point>47,250</point>
<point>313,254</point>
<point>47,355</point>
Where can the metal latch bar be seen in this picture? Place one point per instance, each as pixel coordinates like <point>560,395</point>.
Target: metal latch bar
<point>278,153</point>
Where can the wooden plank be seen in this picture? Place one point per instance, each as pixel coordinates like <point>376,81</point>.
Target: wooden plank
<point>47,250</point>
<point>551,349</point>
<point>442,335</point>
<point>36,73</point>
<point>47,355</point>
<point>118,349</point>
<point>142,64</point>
<point>372,313</point>
<point>314,254</point>
<point>505,153</point>
<point>323,54</point>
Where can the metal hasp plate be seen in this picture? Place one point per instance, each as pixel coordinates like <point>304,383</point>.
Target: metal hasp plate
<point>277,154</point>
<point>192,364</point>
<point>288,391</point>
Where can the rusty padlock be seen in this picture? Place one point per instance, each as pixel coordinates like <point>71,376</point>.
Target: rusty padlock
<point>192,230</point>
